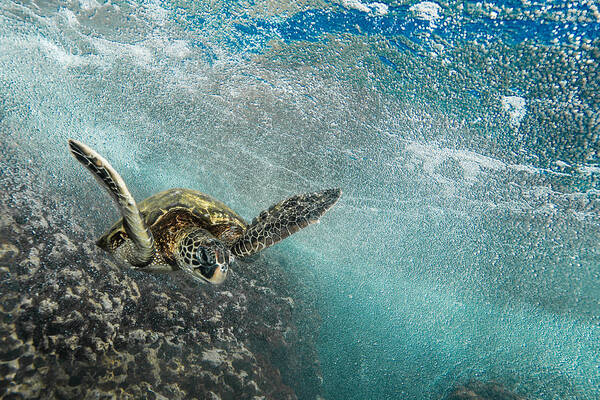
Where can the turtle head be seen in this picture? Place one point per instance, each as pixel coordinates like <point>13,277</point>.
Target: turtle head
<point>204,257</point>
<point>214,259</point>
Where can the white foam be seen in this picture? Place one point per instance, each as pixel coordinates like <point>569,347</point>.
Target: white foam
<point>157,13</point>
<point>515,107</point>
<point>141,55</point>
<point>178,49</point>
<point>70,17</point>
<point>427,11</point>
<point>472,163</point>
<point>357,5</point>
<point>59,54</point>
<point>108,51</point>
<point>377,9</point>
<point>589,170</point>
<point>535,198</point>
<point>89,5</point>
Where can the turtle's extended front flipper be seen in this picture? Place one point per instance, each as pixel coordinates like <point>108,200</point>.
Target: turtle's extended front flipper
<point>283,219</point>
<point>142,249</point>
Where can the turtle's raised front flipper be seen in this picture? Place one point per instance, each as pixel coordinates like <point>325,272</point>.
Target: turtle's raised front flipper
<point>142,249</point>
<point>283,219</point>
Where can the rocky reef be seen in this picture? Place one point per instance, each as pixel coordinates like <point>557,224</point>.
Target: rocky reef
<point>74,325</point>
<point>476,390</point>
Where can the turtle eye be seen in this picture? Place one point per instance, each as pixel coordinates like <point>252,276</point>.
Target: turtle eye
<point>210,256</point>
<point>202,256</point>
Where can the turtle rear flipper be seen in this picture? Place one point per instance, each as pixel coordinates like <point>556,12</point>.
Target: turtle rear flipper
<point>283,219</point>
<point>142,250</point>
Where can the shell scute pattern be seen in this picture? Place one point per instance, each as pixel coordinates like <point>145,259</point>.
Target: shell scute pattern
<point>169,211</point>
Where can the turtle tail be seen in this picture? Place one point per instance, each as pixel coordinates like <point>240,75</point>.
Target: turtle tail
<point>142,250</point>
<point>284,219</point>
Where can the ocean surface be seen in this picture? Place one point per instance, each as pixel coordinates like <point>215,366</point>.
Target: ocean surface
<point>465,136</point>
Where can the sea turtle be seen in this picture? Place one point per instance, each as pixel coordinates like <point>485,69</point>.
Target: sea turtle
<point>188,230</point>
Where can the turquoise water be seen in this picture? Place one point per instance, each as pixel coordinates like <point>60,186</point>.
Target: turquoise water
<point>466,138</point>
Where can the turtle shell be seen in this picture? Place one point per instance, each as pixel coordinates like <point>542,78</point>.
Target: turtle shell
<point>166,213</point>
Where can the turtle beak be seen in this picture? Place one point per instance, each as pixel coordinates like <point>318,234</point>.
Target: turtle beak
<point>223,258</point>
<point>219,275</point>
<point>219,258</point>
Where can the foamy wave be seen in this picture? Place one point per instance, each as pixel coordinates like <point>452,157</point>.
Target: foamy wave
<point>50,49</point>
<point>427,11</point>
<point>377,9</point>
<point>589,170</point>
<point>515,107</point>
<point>141,55</point>
<point>177,49</point>
<point>157,13</point>
<point>471,163</point>
<point>89,5</point>
<point>534,195</point>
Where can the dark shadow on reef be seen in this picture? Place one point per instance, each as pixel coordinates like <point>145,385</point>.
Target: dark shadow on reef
<point>73,325</point>
<point>477,390</point>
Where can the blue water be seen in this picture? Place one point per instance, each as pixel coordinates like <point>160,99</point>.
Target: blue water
<point>467,243</point>
<point>398,22</point>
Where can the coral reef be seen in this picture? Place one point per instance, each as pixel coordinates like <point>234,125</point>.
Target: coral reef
<point>73,325</point>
